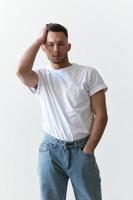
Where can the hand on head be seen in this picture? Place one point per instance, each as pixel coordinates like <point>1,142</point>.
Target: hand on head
<point>43,35</point>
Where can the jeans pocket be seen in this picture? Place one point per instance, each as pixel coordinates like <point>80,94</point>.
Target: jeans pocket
<point>44,147</point>
<point>83,153</point>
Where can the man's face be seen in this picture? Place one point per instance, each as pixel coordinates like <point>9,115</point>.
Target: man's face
<point>56,47</point>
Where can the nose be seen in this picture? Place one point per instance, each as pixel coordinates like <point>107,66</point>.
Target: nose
<point>55,48</point>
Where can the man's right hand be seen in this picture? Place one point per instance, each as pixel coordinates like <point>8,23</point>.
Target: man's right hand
<point>42,36</point>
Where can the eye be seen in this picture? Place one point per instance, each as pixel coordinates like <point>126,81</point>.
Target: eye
<point>49,45</point>
<point>61,44</point>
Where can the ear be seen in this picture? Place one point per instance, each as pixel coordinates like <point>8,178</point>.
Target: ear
<point>69,46</point>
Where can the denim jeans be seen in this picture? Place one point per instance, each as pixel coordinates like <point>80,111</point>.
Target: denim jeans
<point>59,160</point>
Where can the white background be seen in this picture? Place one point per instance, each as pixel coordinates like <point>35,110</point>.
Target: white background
<point>101,33</point>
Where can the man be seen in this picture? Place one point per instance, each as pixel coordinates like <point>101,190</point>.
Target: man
<point>74,117</point>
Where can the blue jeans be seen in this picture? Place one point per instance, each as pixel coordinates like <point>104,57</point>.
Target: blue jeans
<point>60,160</point>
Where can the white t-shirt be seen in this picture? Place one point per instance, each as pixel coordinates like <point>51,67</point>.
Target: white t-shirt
<point>64,96</point>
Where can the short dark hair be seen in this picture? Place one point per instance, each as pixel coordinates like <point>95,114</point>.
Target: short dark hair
<point>54,27</point>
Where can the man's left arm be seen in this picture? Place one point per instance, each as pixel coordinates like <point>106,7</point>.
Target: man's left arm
<point>98,104</point>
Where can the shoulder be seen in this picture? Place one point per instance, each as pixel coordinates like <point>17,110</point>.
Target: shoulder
<point>86,68</point>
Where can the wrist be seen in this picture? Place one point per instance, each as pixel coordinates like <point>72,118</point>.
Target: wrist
<point>88,149</point>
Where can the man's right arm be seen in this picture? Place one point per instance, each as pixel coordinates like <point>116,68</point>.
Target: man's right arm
<point>24,68</point>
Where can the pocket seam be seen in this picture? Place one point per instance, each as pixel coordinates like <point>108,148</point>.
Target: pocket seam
<point>45,147</point>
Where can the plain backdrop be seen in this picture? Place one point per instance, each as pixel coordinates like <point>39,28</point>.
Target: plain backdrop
<point>101,33</point>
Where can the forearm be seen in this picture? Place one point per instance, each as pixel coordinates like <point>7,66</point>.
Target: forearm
<point>27,60</point>
<point>98,126</point>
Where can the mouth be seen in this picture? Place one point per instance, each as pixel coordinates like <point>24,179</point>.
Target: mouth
<point>57,55</point>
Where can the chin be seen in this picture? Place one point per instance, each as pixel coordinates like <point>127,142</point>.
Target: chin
<point>57,61</point>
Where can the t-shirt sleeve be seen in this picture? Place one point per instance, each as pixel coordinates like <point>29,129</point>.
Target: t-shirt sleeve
<point>95,82</point>
<point>34,90</point>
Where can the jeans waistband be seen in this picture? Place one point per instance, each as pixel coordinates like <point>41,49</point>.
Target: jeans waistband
<point>49,138</point>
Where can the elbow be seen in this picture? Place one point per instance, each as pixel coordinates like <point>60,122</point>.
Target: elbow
<point>18,71</point>
<point>21,69</point>
<point>19,74</point>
